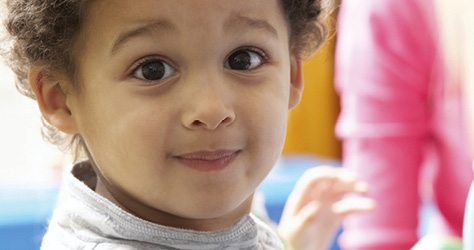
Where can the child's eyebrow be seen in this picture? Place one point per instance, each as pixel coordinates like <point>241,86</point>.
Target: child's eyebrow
<point>242,23</point>
<point>147,29</point>
<point>231,24</point>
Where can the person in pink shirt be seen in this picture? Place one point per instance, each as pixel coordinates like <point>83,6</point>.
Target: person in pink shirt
<point>401,124</point>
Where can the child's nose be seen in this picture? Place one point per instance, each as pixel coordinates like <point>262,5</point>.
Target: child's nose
<point>208,108</point>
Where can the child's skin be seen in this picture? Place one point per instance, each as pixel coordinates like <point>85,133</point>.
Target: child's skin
<point>315,208</point>
<point>180,131</point>
<point>188,149</point>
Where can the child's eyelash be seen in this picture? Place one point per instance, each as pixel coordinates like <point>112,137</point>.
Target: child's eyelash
<point>259,51</point>
<point>151,59</point>
<point>142,62</point>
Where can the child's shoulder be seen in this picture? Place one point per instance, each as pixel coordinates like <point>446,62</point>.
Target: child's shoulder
<point>267,237</point>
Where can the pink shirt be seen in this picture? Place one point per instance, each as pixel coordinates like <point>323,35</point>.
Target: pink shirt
<point>401,126</point>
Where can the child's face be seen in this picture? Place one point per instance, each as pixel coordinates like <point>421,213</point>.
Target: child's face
<point>183,104</point>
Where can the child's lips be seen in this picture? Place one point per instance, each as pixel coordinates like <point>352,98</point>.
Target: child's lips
<point>206,161</point>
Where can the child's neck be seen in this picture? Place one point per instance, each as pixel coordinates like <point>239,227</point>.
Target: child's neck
<point>166,219</point>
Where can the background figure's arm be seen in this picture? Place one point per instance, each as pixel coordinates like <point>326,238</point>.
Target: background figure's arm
<point>383,68</point>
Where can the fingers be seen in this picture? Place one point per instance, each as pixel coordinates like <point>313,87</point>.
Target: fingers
<point>351,205</point>
<point>317,205</point>
<point>307,214</point>
<point>312,185</point>
<point>325,184</point>
<point>295,228</point>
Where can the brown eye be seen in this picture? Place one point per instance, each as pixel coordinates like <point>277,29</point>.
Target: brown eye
<point>243,60</point>
<point>154,70</point>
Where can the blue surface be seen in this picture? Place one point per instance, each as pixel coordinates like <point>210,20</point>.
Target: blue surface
<point>282,179</point>
<point>24,214</point>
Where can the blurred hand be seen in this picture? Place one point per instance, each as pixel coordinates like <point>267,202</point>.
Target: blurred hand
<point>316,206</point>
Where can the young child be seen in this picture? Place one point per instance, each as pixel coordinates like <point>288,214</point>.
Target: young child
<point>181,108</point>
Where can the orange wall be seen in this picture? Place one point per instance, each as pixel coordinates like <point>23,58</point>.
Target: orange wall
<point>311,123</point>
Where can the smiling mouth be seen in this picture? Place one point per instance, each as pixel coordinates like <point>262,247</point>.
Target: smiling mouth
<point>207,161</point>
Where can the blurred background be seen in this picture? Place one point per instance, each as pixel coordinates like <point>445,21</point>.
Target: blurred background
<point>30,170</point>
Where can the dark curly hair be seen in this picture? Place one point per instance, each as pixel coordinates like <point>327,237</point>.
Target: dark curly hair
<point>44,32</point>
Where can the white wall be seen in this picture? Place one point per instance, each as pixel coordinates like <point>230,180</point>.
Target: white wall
<point>25,159</point>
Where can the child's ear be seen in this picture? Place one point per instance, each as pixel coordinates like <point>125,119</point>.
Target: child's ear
<point>297,82</point>
<point>51,100</point>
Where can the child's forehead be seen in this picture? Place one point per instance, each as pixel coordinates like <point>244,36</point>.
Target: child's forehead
<point>235,23</point>
<point>131,19</point>
<point>228,13</point>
